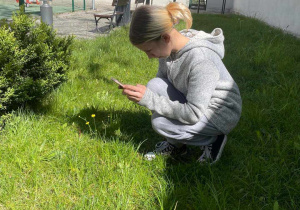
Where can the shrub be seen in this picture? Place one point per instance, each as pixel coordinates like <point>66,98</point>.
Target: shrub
<point>33,61</point>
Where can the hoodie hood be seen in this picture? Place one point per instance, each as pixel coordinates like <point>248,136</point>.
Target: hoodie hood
<point>213,41</point>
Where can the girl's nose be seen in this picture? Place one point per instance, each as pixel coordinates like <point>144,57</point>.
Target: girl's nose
<point>150,55</point>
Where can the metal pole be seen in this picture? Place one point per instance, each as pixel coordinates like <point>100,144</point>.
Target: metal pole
<point>73,6</point>
<point>46,13</point>
<point>83,4</point>
<point>93,3</point>
<point>223,6</point>
<point>22,5</point>
<point>126,16</point>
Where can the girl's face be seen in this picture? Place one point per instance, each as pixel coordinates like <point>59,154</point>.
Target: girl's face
<point>156,49</point>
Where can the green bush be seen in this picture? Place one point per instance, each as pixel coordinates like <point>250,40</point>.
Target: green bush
<point>33,61</point>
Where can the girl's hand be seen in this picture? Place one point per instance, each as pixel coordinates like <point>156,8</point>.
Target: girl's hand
<point>134,93</point>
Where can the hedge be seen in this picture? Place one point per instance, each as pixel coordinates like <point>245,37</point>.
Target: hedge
<point>33,61</point>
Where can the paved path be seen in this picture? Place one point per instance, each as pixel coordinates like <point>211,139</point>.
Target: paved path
<point>82,23</point>
<point>79,23</point>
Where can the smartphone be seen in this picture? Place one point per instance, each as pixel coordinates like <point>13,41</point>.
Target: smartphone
<point>117,81</point>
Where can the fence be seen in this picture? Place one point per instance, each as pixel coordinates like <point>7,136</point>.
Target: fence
<point>7,7</point>
<point>197,4</point>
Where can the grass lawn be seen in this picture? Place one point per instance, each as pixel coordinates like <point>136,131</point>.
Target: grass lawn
<point>57,156</point>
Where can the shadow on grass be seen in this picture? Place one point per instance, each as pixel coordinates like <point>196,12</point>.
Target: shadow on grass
<point>125,126</point>
<point>197,186</point>
<point>186,176</point>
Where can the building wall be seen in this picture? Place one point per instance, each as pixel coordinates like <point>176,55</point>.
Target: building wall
<point>284,14</point>
<point>215,6</point>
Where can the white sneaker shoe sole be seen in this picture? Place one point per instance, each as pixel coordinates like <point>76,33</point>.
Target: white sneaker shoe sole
<point>150,156</point>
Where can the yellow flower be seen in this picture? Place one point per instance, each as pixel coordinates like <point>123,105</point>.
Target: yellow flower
<point>87,123</point>
<point>93,115</point>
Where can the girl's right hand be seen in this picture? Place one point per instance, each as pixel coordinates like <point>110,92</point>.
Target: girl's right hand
<point>134,93</point>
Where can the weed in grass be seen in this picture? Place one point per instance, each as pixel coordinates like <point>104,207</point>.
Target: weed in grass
<point>93,131</point>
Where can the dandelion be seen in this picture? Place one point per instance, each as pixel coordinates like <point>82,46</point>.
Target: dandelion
<point>94,133</point>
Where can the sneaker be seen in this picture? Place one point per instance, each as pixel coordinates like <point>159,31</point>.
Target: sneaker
<point>212,152</point>
<point>167,149</point>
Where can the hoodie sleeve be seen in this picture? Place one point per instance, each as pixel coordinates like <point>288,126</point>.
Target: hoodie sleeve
<point>202,82</point>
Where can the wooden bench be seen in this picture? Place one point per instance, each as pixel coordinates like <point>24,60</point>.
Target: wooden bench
<point>118,15</point>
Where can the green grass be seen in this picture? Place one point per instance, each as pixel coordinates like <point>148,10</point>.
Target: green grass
<point>50,158</point>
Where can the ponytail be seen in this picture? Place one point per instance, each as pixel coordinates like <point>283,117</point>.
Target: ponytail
<point>150,22</point>
<point>180,12</point>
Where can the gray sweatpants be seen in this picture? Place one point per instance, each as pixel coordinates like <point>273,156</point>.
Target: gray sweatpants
<point>177,133</point>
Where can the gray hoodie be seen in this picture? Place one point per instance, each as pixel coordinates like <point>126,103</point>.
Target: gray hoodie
<point>199,73</point>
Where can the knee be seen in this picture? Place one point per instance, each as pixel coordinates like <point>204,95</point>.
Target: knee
<point>166,127</point>
<point>157,84</point>
<point>157,123</point>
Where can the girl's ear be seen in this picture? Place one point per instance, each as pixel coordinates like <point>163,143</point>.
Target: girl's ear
<point>166,38</point>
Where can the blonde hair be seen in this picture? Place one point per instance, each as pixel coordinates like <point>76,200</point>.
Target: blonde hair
<point>150,22</point>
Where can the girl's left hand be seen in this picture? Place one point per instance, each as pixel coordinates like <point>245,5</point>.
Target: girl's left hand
<point>134,93</point>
